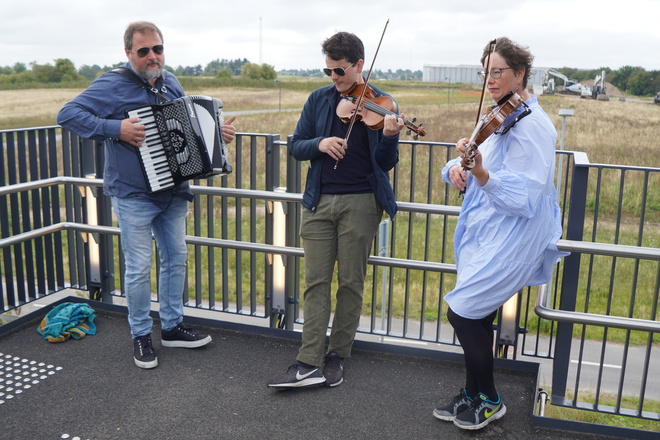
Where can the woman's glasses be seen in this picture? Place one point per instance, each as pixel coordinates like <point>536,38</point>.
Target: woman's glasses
<point>144,51</point>
<point>341,71</point>
<point>495,73</point>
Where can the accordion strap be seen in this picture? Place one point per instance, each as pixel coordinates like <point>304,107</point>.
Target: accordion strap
<point>128,73</point>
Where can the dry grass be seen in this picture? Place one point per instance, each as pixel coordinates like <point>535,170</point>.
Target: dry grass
<point>609,132</point>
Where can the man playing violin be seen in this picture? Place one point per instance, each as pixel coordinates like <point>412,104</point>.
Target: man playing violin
<point>346,191</point>
<point>507,230</point>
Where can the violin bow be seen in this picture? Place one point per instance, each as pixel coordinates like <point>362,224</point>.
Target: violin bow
<point>491,48</point>
<point>364,89</point>
<point>468,148</point>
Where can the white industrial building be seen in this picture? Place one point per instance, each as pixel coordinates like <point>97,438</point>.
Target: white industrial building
<point>469,74</point>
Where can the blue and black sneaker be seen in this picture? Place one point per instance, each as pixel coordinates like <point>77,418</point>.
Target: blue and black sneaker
<point>449,412</point>
<point>480,413</point>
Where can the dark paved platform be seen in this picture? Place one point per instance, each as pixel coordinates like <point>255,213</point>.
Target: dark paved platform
<point>91,389</point>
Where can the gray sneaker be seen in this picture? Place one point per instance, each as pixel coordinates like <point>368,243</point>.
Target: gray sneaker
<point>298,376</point>
<point>333,369</point>
<point>449,412</point>
<point>480,413</point>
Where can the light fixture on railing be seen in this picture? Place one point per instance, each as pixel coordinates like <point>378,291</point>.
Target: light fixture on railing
<point>278,261</point>
<point>508,326</point>
<point>92,239</point>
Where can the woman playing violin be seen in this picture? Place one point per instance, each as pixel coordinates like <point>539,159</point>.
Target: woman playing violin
<point>507,230</point>
<point>346,191</point>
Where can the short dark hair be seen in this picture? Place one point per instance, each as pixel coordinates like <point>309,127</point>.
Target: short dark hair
<point>142,27</point>
<point>518,57</point>
<point>343,45</point>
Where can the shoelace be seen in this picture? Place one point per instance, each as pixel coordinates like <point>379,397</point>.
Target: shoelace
<point>182,328</point>
<point>145,345</point>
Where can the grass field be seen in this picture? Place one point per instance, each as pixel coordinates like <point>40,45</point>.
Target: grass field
<point>609,132</point>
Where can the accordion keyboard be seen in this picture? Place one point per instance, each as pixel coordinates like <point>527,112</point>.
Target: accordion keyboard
<point>152,152</point>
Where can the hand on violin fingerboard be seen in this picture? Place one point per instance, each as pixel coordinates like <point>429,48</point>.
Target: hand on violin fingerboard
<point>393,124</point>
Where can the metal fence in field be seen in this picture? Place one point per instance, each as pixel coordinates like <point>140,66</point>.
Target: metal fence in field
<point>595,325</point>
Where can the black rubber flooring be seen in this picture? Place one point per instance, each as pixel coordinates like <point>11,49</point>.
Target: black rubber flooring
<point>91,389</point>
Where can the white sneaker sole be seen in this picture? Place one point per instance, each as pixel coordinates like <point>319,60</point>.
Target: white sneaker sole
<point>496,416</point>
<point>186,344</point>
<point>146,365</point>
<point>299,384</point>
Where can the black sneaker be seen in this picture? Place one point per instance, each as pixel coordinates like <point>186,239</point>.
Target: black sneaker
<point>459,404</point>
<point>333,369</point>
<point>298,376</point>
<point>480,413</point>
<point>183,337</point>
<point>143,352</point>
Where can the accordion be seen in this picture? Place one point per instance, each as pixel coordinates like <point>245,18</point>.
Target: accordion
<point>183,141</point>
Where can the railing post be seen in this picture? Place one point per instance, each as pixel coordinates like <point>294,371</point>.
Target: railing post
<point>570,280</point>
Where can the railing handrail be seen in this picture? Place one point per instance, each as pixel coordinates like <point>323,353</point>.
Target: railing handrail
<point>622,322</point>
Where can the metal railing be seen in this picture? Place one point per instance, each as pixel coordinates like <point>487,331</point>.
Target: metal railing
<point>58,232</point>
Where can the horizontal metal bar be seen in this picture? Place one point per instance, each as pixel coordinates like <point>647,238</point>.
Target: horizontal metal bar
<point>614,250</point>
<point>550,314</point>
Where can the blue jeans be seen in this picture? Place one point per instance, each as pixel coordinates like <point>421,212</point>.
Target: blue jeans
<point>341,230</point>
<point>139,220</point>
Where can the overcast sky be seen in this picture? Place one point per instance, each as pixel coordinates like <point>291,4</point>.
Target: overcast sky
<point>287,34</point>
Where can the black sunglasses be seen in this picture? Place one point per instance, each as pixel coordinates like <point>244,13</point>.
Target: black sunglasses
<point>144,51</point>
<point>341,71</point>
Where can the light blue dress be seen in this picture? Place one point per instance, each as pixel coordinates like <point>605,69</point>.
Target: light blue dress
<point>507,230</point>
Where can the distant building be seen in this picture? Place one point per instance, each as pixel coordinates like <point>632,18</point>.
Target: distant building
<point>469,74</point>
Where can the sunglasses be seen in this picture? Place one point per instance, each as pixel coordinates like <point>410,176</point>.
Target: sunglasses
<point>144,51</point>
<point>341,71</point>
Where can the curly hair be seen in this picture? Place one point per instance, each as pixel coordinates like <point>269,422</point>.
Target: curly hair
<point>517,57</point>
<point>343,45</point>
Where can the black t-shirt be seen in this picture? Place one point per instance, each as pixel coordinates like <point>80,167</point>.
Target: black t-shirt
<point>350,176</point>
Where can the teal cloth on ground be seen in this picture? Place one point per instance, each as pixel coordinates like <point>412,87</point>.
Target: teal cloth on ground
<point>68,320</point>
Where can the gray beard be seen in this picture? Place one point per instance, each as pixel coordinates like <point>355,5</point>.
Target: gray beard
<point>152,74</point>
<point>148,74</point>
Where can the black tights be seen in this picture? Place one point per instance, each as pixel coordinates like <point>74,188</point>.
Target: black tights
<point>476,338</point>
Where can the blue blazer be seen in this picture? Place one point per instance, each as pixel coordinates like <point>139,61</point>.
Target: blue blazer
<point>315,124</point>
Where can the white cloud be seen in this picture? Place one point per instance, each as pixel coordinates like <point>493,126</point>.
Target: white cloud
<point>288,34</point>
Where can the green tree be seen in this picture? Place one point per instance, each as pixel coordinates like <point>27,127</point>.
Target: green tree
<point>223,73</point>
<point>19,67</point>
<point>268,72</point>
<point>90,72</point>
<point>251,71</point>
<point>255,71</point>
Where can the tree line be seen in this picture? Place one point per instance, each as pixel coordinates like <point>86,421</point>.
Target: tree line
<point>630,79</point>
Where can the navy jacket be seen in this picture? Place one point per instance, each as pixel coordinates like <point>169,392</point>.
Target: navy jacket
<point>315,124</point>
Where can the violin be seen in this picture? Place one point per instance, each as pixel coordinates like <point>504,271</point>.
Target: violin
<point>372,109</point>
<point>490,123</point>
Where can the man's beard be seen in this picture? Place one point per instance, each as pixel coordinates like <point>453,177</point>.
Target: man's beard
<point>148,74</point>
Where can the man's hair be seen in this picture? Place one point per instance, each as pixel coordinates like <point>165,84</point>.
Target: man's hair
<point>142,27</point>
<point>516,56</point>
<point>343,45</point>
